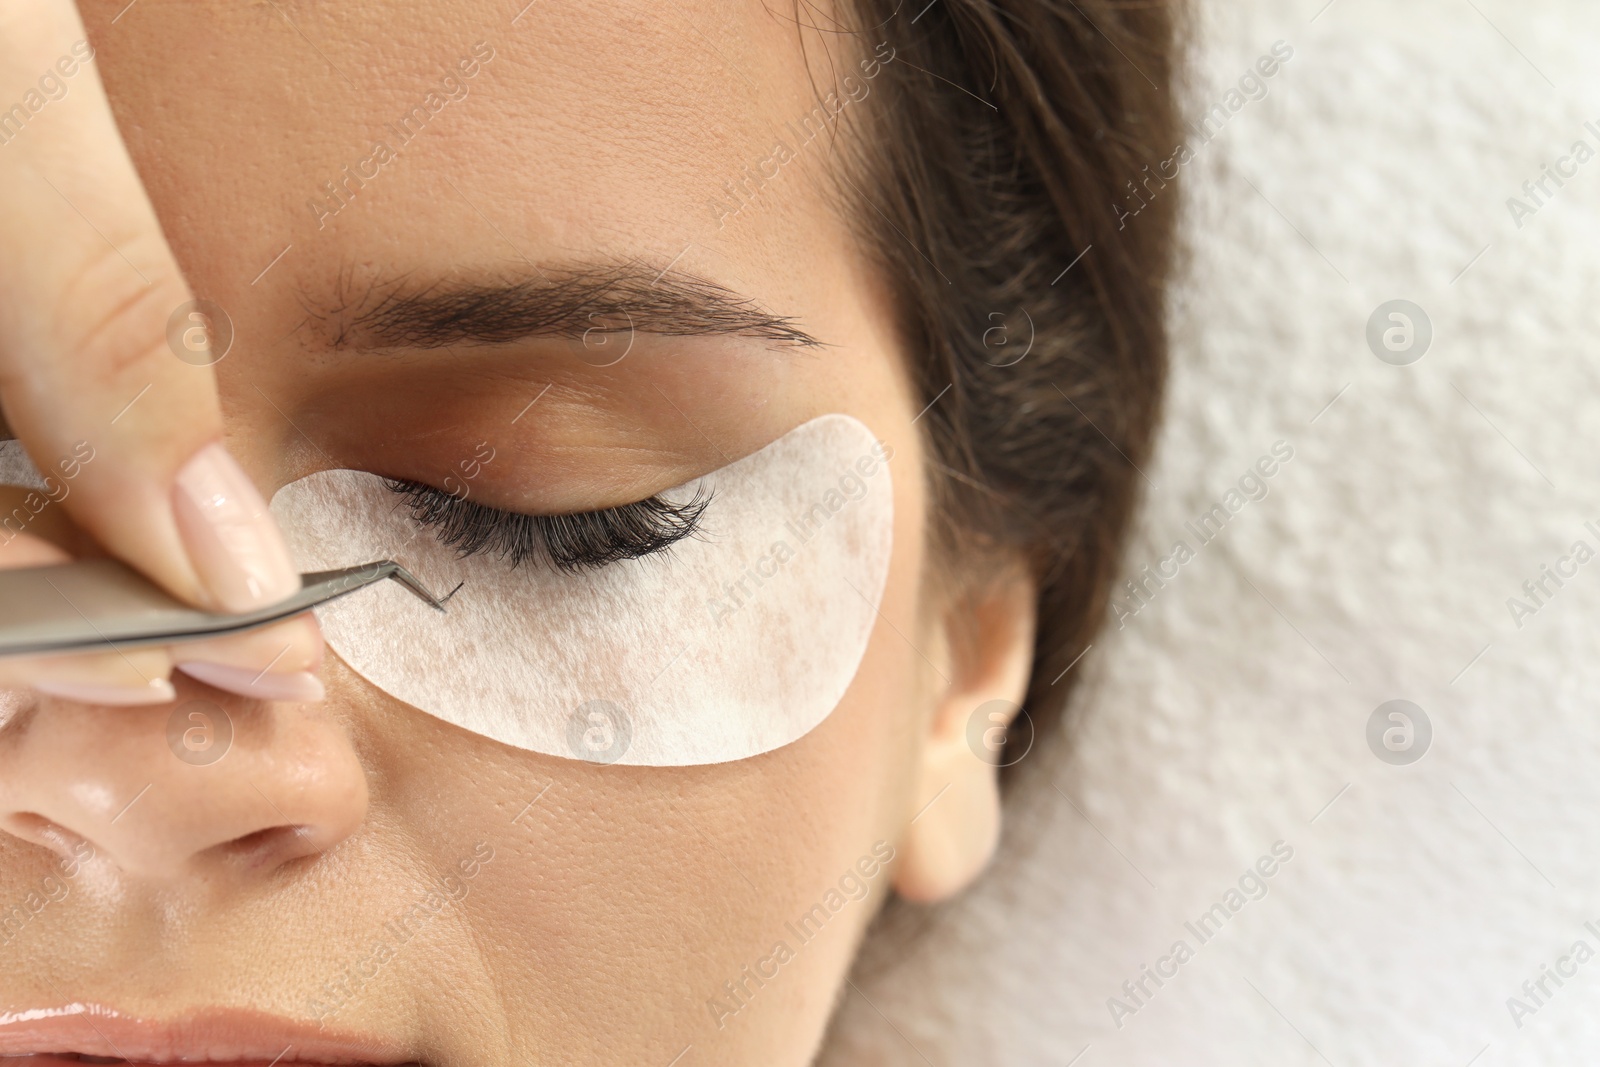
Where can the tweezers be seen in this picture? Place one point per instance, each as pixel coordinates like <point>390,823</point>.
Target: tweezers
<point>102,603</point>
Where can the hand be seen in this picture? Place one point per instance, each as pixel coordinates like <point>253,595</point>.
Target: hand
<point>87,285</point>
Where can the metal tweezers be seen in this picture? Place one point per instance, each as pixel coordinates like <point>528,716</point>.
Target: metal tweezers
<point>90,604</point>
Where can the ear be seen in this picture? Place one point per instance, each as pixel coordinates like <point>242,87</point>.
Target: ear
<point>986,641</point>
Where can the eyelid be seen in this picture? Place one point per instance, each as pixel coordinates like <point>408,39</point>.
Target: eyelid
<point>571,542</point>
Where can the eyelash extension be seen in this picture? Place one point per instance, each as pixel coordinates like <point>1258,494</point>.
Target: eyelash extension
<point>578,541</point>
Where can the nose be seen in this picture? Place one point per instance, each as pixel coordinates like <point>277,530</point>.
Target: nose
<point>208,784</point>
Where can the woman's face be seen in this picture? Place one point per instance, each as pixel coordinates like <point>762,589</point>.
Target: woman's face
<point>460,901</point>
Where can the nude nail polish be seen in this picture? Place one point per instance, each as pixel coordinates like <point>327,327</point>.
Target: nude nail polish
<point>232,538</point>
<point>302,687</point>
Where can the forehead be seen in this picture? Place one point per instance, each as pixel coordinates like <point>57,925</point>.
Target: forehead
<point>388,137</point>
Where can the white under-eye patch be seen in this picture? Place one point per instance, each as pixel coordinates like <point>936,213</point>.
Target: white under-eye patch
<point>726,645</point>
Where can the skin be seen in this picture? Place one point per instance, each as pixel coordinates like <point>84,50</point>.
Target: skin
<point>618,899</point>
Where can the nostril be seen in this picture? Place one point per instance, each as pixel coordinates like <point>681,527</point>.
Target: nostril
<point>25,824</point>
<point>38,830</point>
<point>84,781</point>
<point>274,845</point>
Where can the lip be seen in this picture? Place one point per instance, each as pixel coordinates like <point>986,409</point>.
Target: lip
<point>37,1037</point>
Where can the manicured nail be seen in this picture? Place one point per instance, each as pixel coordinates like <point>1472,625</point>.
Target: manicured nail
<point>159,691</point>
<point>302,687</point>
<point>232,539</point>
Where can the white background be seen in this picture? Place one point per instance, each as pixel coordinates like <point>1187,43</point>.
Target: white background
<point>1230,712</point>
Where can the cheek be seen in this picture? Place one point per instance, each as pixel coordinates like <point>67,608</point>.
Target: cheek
<point>603,873</point>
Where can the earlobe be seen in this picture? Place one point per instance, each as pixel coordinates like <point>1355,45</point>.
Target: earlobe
<point>952,837</point>
<point>955,820</point>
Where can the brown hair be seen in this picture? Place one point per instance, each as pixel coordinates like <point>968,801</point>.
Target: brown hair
<point>1009,146</point>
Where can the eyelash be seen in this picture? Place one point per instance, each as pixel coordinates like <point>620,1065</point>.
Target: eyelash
<point>572,543</point>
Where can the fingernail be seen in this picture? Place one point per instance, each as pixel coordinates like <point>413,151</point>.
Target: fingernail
<point>302,687</point>
<point>231,536</point>
<point>159,691</point>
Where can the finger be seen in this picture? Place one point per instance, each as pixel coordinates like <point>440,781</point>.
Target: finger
<point>277,662</point>
<point>87,379</point>
<point>26,550</point>
<point>106,677</point>
<point>273,663</point>
<point>130,677</point>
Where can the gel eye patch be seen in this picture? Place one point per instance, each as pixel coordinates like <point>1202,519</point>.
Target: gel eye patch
<point>729,644</point>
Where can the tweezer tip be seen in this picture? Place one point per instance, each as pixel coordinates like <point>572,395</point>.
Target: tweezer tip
<point>422,592</point>
<point>446,599</point>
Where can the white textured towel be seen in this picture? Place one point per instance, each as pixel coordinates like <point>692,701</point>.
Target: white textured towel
<point>1231,712</point>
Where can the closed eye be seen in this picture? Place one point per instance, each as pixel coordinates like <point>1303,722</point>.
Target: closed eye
<point>574,542</point>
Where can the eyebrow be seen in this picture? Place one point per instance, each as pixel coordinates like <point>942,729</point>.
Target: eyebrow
<point>561,301</point>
